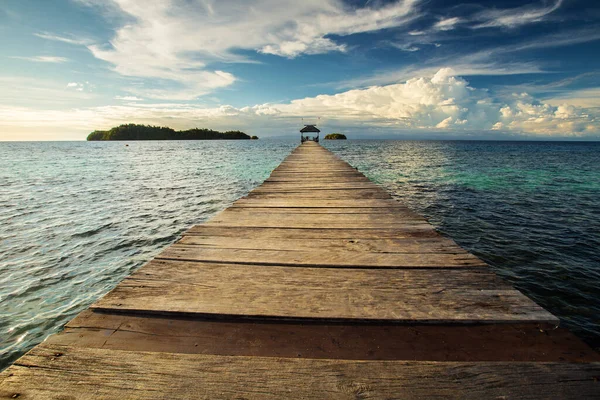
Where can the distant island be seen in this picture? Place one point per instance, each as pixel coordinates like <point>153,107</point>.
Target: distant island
<point>335,136</point>
<point>147,132</point>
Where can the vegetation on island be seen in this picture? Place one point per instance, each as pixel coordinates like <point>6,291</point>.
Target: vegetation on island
<point>335,136</point>
<point>254,138</point>
<point>147,132</point>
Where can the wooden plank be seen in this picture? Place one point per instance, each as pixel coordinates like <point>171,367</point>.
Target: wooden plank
<point>322,179</point>
<point>61,372</point>
<point>463,296</point>
<point>306,203</point>
<point>329,258</point>
<point>256,218</point>
<point>406,231</point>
<point>320,210</point>
<point>479,342</point>
<point>320,184</point>
<point>287,186</point>
<point>438,245</point>
<point>288,221</point>
<point>348,175</point>
<point>316,195</point>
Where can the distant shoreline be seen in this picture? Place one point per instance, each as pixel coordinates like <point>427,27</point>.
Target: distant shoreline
<point>129,132</point>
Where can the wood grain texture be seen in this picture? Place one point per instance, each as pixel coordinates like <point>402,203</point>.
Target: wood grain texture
<point>63,372</point>
<point>414,245</point>
<point>405,231</point>
<point>294,293</point>
<point>349,341</point>
<point>306,203</point>
<point>357,194</point>
<point>322,210</point>
<point>322,258</point>
<point>296,220</point>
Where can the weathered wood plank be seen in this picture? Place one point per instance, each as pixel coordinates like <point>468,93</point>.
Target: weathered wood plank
<point>321,210</point>
<point>322,179</point>
<point>329,258</point>
<point>254,218</point>
<point>465,296</point>
<point>319,185</point>
<point>61,372</point>
<point>271,188</point>
<point>437,245</point>
<point>478,342</point>
<point>358,194</point>
<point>406,231</point>
<point>307,203</point>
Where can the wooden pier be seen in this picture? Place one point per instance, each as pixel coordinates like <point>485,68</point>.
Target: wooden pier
<point>316,285</point>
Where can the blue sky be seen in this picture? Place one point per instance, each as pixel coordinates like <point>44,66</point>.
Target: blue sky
<point>418,69</point>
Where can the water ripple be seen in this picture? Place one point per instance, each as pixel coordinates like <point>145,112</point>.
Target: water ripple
<point>529,209</point>
<point>76,218</point>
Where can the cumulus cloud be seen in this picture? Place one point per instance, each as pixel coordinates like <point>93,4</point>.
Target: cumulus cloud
<point>446,101</point>
<point>439,102</point>
<point>176,41</point>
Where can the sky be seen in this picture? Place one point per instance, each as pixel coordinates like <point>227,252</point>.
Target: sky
<point>371,69</point>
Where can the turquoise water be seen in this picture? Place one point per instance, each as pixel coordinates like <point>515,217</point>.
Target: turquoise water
<point>77,217</point>
<point>529,209</point>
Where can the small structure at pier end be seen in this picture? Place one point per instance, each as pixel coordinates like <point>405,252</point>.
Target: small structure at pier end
<point>309,129</point>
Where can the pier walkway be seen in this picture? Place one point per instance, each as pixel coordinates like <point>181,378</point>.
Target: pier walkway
<point>316,285</point>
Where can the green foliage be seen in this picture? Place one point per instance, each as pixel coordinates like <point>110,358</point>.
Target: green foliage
<point>147,132</point>
<point>335,136</point>
<point>97,135</point>
<point>254,138</point>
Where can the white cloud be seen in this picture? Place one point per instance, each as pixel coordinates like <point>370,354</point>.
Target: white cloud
<point>463,66</point>
<point>43,59</point>
<point>487,62</point>
<point>439,102</point>
<point>176,41</point>
<point>447,24</point>
<point>128,98</point>
<point>64,39</point>
<point>405,47</point>
<point>81,86</point>
<point>514,17</point>
<point>587,98</point>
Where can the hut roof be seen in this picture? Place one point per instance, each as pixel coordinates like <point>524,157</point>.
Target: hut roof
<point>309,128</point>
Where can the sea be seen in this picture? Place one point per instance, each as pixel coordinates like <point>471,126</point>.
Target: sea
<point>78,217</point>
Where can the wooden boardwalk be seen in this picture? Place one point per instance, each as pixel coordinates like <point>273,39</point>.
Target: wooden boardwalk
<point>316,285</point>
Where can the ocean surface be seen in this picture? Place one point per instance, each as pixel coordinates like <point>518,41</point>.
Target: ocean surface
<point>77,217</point>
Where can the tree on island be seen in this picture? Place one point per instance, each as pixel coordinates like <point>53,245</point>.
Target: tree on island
<point>335,136</point>
<point>147,132</point>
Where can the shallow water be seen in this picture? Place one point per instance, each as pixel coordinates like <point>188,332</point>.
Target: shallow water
<point>77,217</point>
<point>529,209</point>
